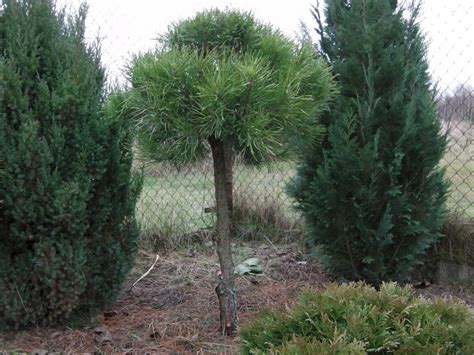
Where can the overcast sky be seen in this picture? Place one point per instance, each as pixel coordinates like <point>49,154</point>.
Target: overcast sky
<point>128,27</point>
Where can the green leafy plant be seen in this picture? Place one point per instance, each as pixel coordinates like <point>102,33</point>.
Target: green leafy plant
<point>374,196</point>
<point>67,221</point>
<point>357,319</point>
<point>222,83</point>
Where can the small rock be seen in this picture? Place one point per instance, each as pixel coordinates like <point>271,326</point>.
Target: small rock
<point>102,336</point>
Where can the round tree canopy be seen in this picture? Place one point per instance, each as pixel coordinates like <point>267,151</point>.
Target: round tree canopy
<point>223,75</point>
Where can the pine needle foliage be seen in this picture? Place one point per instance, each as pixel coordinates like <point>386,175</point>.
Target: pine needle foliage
<point>374,196</point>
<point>67,226</point>
<point>223,74</point>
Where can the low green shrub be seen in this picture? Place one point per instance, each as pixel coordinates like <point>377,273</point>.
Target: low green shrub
<point>357,319</point>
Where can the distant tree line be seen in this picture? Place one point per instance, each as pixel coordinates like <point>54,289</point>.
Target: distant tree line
<point>458,106</point>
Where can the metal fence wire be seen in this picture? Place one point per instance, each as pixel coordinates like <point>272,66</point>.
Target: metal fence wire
<point>178,202</point>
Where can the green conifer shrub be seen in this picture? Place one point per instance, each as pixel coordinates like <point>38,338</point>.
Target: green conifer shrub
<point>357,319</point>
<point>373,195</point>
<point>67,226</point>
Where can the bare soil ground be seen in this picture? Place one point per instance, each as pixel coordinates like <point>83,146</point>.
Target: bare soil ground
<point>173,310</point>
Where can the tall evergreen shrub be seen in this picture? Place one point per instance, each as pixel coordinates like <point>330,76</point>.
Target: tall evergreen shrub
<point>67,226</point>
<point>373,195</point>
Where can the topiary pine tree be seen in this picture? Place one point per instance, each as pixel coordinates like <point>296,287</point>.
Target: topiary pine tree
<point>67,226</point>
<point>373,195</point>
<point>223,83</point>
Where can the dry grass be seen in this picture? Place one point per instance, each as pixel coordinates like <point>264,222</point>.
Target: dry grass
<point>172,206</point>
<point>458,244</point>
<point>268,218</point>
<point>456,247</point>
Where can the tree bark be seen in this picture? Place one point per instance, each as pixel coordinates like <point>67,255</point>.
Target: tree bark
<point>229,177</point>
<point>226,291</point>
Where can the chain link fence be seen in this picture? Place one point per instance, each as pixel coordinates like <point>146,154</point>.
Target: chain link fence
<point>178,203</point>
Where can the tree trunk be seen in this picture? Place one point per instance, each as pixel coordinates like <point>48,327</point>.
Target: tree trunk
<point>226,291</point>
<point>229,177</point>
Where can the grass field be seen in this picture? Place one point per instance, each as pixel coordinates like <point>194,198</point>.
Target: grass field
<point>459,163</point>
<point>173,204</point>
<point>173,201</point>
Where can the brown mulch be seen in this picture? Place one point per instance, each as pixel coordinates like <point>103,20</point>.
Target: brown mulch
<point>173,310</point>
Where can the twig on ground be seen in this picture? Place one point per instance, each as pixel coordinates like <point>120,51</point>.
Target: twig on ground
<point>271,243</point>
<point>147,272</point>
